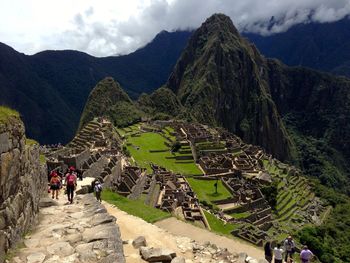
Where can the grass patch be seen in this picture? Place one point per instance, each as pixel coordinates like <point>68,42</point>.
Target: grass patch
<point>240,215</point>
<point>218,226</point>
<point>134,207</point>
<point>205,190</point>
<point>42,159</point>
<point>31,142</point>
<point>140,147</point>
<point>6,113</point>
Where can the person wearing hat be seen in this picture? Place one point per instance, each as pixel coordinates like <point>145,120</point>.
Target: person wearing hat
<point>98,190</point>
<point>289,247</point>
<point>71,182</point>
<point>55,183</point>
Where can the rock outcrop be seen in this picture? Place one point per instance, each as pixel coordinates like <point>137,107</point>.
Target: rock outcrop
<point>22,182</point>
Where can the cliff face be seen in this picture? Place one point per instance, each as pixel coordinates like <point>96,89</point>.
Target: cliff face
<point>220,79</point>
<point>22,182</point>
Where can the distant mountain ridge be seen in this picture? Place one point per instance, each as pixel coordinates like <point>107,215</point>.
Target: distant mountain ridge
<point>322,46</point>
<point>50,88</point>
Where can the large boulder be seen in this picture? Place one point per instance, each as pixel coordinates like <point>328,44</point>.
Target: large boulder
<point>157,254</point>
<point>139,242</point>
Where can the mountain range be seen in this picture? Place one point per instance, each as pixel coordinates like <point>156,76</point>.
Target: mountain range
<point>297,114</point>
<point>50,88</point>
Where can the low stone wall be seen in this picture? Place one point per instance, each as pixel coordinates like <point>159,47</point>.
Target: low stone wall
<point>22,182</point>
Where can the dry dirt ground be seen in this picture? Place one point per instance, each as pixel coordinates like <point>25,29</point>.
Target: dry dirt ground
<point>173,234</point>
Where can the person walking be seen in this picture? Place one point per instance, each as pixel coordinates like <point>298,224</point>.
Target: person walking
<point>278,253</point>
<point>306,255</point>
<point>55,184</point>
<point>268,251</point>
<point>71,182</point>
<point>289,247</point>
<point>98,190</point>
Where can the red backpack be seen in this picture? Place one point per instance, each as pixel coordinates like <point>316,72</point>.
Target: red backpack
<point>70,179</point>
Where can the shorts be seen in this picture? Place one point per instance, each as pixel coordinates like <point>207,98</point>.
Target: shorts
<point>54,187</point>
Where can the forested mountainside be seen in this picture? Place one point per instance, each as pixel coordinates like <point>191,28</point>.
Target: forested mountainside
<point>51,87</point>
<point>322,46</point>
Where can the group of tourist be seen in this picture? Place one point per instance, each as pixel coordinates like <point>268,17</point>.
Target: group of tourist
<point>287,250</point>
<point>57,180</point>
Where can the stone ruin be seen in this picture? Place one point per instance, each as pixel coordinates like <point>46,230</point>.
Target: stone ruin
<point>216,164</point>
<point>176,196</point>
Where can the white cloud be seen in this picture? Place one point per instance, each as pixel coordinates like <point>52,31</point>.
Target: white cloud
<point>110,27</point>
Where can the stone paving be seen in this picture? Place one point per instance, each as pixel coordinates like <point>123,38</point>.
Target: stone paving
<point>78,232</point>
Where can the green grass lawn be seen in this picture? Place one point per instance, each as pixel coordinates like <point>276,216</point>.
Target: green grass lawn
<point>240,215</point>
<point>134,207</point>
<point>205,190</point>
<point>218,226</point>
<point>154,141</point>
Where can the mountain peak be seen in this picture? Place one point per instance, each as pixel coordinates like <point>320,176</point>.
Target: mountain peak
<point>219,23</point>
<point>220,79</point>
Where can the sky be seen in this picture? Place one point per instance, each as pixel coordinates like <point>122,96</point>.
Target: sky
<point>112,27</point>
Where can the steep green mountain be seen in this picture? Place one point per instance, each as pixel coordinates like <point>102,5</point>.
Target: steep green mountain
<point>316,109</point>
<point>51,87</point>
<point>162,103</point>
<point>108,99</point>
<point>295,113</point>
<point>219,78</point>
<point>46,114</point>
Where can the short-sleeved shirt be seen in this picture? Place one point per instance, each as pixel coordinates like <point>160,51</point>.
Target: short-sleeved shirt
<point>278,253</point>
<point>306,255</point>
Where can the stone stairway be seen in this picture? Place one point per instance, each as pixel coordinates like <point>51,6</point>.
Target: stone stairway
<point>78,232</point>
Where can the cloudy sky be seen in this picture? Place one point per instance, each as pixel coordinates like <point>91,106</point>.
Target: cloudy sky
<point>108,27</point>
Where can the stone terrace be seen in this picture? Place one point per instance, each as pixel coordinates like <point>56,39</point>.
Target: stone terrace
<point>176,196</point>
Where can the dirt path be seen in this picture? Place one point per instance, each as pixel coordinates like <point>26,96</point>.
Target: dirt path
<point>177,227</point>
<point>131,227</point>
<point>173,234</point>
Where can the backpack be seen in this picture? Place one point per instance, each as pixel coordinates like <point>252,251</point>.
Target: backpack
<point>98,187</point>
<point>70,179</point>
<point>54,181</point>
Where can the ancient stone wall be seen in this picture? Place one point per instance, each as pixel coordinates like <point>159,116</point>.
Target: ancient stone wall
<point>22,182</point>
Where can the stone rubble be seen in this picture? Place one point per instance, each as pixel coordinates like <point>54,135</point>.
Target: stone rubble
<point>195,253</point>
<point>79,232</point>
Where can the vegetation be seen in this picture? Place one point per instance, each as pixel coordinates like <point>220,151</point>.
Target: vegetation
<point>270,192</point>
<point>134,207</point>
<point>205,190</point>
<point>218,225</point>
<point>6,112</point>
<point>148,148</point>
<point>331,240</point>
<point>108,99</point>
<point>319,159</point>
<point>31,142</point>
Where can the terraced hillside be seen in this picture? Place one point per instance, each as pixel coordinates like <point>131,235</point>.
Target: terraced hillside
<point>233,201</point>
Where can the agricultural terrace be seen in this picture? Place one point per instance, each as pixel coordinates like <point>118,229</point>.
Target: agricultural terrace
<point>154,147</point>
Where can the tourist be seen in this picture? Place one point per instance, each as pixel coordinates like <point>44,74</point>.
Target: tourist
<point>268,251</point>
<point>306,255</point>
<point>55,183</point>
<point>98,190</point>
<point>71,182</point>
<point>278,253</point>
<point>289,247</point>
